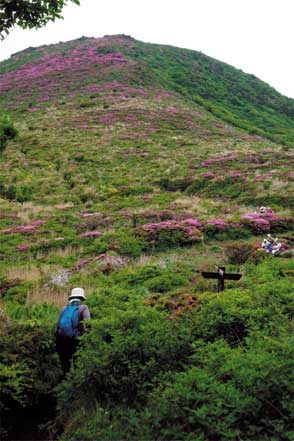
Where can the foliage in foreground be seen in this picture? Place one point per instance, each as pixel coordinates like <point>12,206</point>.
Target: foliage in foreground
<point>29,14</point>
<point>220,369</point>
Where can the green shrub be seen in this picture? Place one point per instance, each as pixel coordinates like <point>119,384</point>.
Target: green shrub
<point>139,276</point>
<point>165,282</point>
<point>197,186</point>
<point>229,233</point>
<point>18,294</point>
<point>229,393</point>
<point>130,245</point>
<point>168,184</point>
<point>7,131</point>
<point>29,372</point>
<point>219,372</point>
<point>238,253</point>
<point>122,354</point>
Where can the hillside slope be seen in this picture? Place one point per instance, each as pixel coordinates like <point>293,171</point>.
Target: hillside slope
<point>228,93</point>
<point>102,103</point>
<point>135,169</point>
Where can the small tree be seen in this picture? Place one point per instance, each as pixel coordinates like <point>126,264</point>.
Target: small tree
<point>239,253</point>
<point>29,14</point>
<point>7,131</point>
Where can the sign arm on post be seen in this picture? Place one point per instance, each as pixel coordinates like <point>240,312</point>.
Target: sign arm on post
<point>220,275</point>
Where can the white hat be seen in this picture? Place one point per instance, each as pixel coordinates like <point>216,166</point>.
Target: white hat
<point>77,292</point>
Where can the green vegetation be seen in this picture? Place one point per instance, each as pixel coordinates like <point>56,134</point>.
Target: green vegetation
<point>228,93</point>
<point>29,14</point>
<point>125,178</point>
<point>7,131</point>
<point>180,364</point>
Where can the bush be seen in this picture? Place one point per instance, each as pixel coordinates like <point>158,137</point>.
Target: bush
<point>238,253</point>
<point>18,293</point>
<point>7,131</point>
<point>197,186</point>
<point>226,395</point>
<point>139,276</point>
<point>170,233</point>
<point>165,282</point>
<point>29,372</point>
<point>174,184</point>
<point>20,194</point>
<point>227,233</point>
<point>218,373</point>
<point>130,245</point>
<point>122,354</point>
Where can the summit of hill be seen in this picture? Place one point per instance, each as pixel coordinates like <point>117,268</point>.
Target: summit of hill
<point>226,92</point>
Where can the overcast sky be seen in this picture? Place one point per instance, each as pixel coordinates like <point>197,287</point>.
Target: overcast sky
<point>256,36</point>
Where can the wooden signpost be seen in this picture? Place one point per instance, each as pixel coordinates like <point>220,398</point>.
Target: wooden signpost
<point>220,275</point>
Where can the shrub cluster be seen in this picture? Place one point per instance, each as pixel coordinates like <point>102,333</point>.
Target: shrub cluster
<point>221,370</point>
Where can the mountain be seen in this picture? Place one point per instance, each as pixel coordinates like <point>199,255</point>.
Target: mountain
<point>135,168</point>
<point>226,92</point>
<point>106,103</point>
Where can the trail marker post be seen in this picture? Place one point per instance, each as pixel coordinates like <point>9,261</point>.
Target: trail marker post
<point>220,275</point>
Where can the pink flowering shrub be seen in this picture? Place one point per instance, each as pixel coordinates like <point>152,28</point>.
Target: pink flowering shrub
<point>261,223</point>
<point>222,230</point>
<point>24,228</point>
<point>105,262</point>
<point>257,225</point>
<point>86,215</point>
<point>81,263</point>
<point>220,224</point>
<point>235,174</point>
<point>33,109</point>
<point>208,175</point>
<point>194,222</point>
<point>279,223</point>
<point>108,263</point>
<point>190,230</point>
<point>171,233</point>
<point>90,234</point>
<point>218,160</point>
<point>3,214</point>
<point>23,247</point>
<point>92,223</point>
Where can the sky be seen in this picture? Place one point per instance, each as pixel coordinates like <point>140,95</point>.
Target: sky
<point>256,36</point>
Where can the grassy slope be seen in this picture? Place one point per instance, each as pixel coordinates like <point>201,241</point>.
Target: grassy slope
<point>125,129</point>
<point>229,93</point>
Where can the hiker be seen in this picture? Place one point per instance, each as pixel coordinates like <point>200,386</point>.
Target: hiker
<point>270,243</point>
<point>276,247</point>
<point>70,327</point>
<point>264,243</point>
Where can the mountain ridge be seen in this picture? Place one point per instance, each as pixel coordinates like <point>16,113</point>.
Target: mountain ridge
<point>228,93</point>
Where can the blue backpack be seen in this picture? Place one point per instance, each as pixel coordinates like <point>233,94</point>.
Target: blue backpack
<point>68,324</point>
